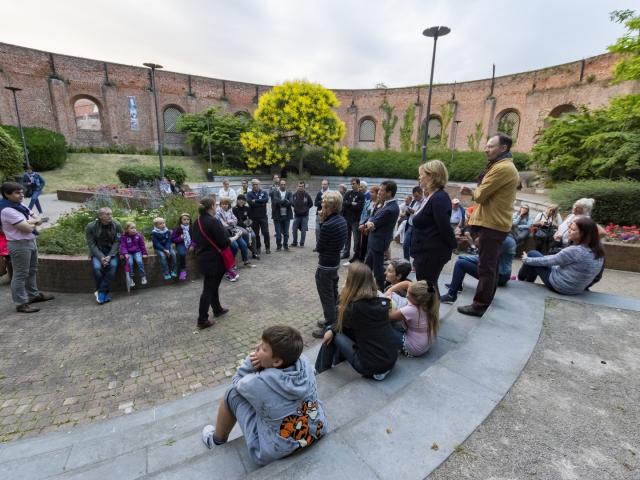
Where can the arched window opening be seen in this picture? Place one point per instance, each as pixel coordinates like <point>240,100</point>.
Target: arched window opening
<point>367,131</point>
<point>87,114</point>
<point>171,115</point>
<point>562,110</point>
<point>509,123</point>
<point>435,128</point>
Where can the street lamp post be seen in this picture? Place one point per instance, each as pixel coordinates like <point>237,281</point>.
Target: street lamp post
<point>434,32</point>
<point>153,67</point>
<point>456,123</point>
<point>24,142</point>
<point>209,145</point>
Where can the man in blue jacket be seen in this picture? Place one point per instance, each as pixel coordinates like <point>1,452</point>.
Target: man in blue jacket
<point>380,229</point>
<point>34,182</point>
<point>257,200</point>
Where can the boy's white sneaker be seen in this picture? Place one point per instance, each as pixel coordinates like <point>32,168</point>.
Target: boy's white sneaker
<point>208,433</point>
<point>143,281</point>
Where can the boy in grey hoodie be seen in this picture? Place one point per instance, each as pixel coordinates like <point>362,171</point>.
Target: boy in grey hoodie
<point>274,398</point>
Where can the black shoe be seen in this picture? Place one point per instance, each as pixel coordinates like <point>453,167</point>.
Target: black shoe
<point>207,324</point>
<point>277,249</point>
<point>321,323</point>
<point>221,312</point>
<point>294,244</point>
<point>267,251</point>
<point>26,308</point>
<point>302,245</point>
<point>318,333</point>
<point>448,285</point>
<point>255,256</point>
<point>286,248</point>
<point>41,297</point>
<point>446,298</point>
<point>315,250</point>
<point>471,310</point>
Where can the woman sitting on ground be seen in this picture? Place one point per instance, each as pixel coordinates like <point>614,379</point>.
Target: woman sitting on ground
<point>363,334</point>
<point>521,224</point>
<point>573,269</point>
<point>545,225</point>
<point>396,283</point>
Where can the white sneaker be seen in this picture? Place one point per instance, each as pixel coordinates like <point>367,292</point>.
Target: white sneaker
<point>131,282</point>
<point>346,264</point>
<point>143,281</point>
<point>97,295</point>
<point>381,376</point>
<point>207,436</point>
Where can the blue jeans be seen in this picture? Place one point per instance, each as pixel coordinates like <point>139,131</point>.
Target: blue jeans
<point>34,200</point>
<point>241,245</point>
<point>406,246</point>
<point>181,252</point>
<point>468,265</point>
<point>137,258</point>
<point>529,273</point>
<point>282,232</point>
<point>302,224</point>
<point>163,260</point>
<point>104,275</point>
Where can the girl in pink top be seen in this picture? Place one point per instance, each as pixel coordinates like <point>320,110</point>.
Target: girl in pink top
<point>419,319</point>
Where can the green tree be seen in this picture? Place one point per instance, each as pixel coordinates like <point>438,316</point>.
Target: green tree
<point>10,157</point>
<point>389,122</point>
<point>473,140</point>
<point>628,46</point>
<point>406,131</point>
<point>223,132</point>
<point>288,118</point>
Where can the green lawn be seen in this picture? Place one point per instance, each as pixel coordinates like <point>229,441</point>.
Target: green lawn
<point>93,169</point>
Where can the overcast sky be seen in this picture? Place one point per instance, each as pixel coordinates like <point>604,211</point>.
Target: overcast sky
<point>340,44</point>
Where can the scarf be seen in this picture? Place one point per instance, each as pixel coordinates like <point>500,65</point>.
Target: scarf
<point>4,203</point>
<point>502,156</point>
<point>157,230</point>
<point>185,235</point>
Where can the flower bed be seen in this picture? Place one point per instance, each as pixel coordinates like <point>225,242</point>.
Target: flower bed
<point>624,234</point>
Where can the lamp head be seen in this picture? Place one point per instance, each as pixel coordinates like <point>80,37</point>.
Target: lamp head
<point>437,31</point>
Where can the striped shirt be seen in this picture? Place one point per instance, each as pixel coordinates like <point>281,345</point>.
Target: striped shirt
<point>331,238</point>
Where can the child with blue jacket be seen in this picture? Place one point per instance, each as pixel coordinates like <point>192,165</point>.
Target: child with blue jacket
<point>161,238</point>
<point>274,398</point>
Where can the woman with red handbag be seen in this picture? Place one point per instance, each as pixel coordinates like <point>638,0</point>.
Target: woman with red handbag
<point>213,253</point>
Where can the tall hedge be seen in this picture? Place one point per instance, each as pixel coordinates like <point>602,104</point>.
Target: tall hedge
<point>616,201</point>
<point>133,175</point>
<point>465,167</point>
<point>10,157</point>
<point>47,149</point>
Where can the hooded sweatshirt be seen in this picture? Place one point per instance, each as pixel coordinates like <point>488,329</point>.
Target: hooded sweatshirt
<point>285,411</point>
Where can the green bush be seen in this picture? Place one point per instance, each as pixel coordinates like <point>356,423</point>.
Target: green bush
<point>133,175</point>
<point>47,149</point>
<point>10,157</point>
<point>465,167</point>
<point>125,150</point>
<point>616,201</point>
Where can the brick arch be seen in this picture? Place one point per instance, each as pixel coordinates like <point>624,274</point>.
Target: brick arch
<point>367,129</point>
<point>86,118</point>
<point>508,122</point>
<point>435,126</point>
<point>170,113</point>
<point>563,109</point>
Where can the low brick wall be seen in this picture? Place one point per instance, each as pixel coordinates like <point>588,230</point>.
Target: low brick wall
<point>80,196</point>
<point>73,274</point>
<point>622,257</point>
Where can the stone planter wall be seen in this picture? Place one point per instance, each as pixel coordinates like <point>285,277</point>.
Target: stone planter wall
<point>623,256</point>
<point>73,274</point>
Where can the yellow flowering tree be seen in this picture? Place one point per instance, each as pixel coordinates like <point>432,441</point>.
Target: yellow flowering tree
<point>288,118</point>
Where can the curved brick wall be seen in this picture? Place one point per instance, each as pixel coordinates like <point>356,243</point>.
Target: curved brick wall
<point>51,83</point>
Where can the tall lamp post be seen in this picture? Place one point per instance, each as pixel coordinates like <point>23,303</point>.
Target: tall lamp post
<point>434,32</point>
<point>153,67</point>
<point>24,143</point>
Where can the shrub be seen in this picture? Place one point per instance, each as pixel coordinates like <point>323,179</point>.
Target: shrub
<point>616,201</point>
<point>134,175</point>
<point>47,149</point>
<point>10,157</point>
<point>124,150</point>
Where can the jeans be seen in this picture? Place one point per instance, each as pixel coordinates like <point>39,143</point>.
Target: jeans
<point>406,246</point>
<point>241,245</point>
<point>465,265</point>
<point>302,224</point>
<point>341,348</point>
<point>249,238</point>
<point>529,273</point>
<point>181,253</point>
<point>327,285</point>
<point>137,258</point>
<point>282,231</point>
<point>352,231</point>
<point>258,225</point>
<point>24,260</point>
<point>164,264</point>
<point>104,275</point>
<point>35,201</point>
<point>489,242</point>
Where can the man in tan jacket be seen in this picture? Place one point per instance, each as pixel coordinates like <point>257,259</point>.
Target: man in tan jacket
<point>491,220</point>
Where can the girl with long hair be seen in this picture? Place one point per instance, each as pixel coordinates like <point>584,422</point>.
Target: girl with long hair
<point>362,333</point>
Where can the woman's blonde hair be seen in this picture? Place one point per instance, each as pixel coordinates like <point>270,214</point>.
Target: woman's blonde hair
<point>425,297</point>
<point>331,203</point>
<point>128,225</point>
<point>438,174</point>
<point>360,284</point>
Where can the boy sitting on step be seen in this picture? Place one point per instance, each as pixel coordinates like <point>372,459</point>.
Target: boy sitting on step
<point>273,396</point>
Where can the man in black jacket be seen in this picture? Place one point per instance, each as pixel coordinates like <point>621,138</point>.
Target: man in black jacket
<point>351,209</point>
<point>281,214</point>
<point>257,200</point>
<point>380,228</point>
<point>302,203</point>
<point>331,238</point>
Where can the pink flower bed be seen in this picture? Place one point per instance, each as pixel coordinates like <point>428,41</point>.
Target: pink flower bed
<point>624,234</point>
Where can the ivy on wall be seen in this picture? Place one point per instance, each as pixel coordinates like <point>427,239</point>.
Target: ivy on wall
<point>389,122</point>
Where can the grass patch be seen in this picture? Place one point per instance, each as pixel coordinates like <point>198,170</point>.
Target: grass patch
<point>94,169</point>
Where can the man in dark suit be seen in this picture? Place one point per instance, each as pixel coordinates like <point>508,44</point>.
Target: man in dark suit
<point>282,214</point>
<point>380,229</point>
